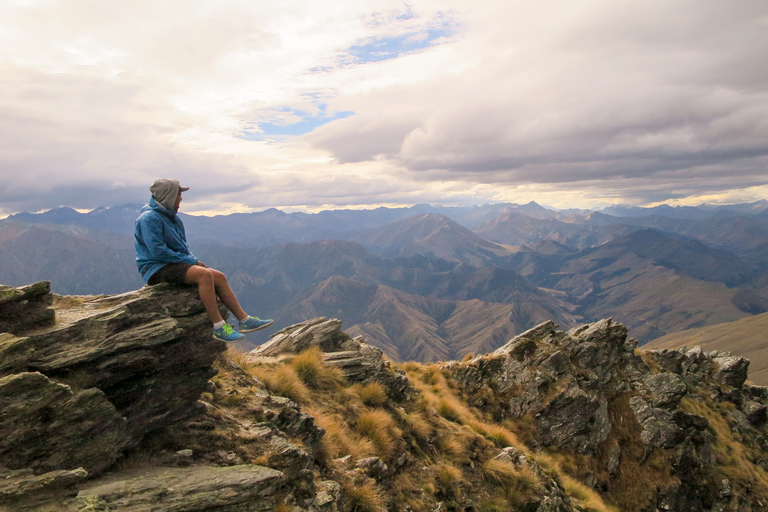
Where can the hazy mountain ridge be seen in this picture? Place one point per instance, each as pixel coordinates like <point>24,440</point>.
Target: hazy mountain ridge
<point>656,274</point>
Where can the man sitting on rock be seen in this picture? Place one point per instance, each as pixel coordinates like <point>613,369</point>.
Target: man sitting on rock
<point>163,256</point>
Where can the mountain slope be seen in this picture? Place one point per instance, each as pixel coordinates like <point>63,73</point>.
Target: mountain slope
<point>647,280</point>
<point>413,327</point>
<point>747,337</point>
<point>434,236</point>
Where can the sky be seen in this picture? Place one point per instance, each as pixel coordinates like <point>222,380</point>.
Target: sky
<point>306,105</point>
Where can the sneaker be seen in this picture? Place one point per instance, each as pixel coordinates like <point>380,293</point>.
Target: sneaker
<point>253,323</point>
<point>227,333</point>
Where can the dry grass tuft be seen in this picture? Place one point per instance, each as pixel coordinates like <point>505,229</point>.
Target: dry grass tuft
<point>313,371</point>
<point>451,446</point>
<point>501,472</point>
<point>378,426</point>
<point>283,381</point>
<point>448,479</point>
<point>448,410</point>
<point>340,440</point>
<point>363,498</point>
<point>373,395</point>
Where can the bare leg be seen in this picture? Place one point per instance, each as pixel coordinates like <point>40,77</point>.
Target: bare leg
<point>211,282</point>
<point>226,294</point>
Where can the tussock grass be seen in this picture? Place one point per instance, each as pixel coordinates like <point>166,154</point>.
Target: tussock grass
<point>590,499</point>
<point>362,498</point>
<point>373,395</point>
<point>447,409</point>
<point>379,427</point>
<point>500,472</point>
<point>448,479</point>
<point>339,439</point>
<point>282,381</point>
<point>313,371</point>
<point>451,446</point>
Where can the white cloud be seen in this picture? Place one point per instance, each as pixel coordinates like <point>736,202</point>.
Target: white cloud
<point>592,100</point>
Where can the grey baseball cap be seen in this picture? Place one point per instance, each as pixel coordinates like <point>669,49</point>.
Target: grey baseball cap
<point>165,191</point>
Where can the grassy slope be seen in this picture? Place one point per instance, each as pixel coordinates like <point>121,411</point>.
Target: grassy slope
<point>747,337</point>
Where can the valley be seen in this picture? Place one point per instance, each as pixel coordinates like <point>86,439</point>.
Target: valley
<point>432,283</point>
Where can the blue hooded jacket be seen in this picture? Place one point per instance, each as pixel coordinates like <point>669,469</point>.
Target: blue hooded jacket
<point>160,239</point>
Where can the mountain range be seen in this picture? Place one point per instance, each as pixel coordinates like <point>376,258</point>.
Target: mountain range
<point>434,283</point>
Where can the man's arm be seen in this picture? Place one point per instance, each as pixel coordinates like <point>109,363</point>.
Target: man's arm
<point>151,232</point>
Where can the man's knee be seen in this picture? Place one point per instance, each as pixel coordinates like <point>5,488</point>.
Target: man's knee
<point>200,275</point>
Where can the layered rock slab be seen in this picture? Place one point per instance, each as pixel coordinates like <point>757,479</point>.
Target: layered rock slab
<point>235,488</point>
<point>145,357</point>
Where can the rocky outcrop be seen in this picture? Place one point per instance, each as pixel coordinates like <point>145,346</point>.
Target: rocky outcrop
<point>138,363</point>
<point>249,487</point>
<point>129,378</point>
<point>588,391</point>
<point>26,308</point>
<point>358,361</point>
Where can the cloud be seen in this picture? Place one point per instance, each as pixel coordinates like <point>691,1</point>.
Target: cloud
<point>347,103</point>
<point>593,91</point>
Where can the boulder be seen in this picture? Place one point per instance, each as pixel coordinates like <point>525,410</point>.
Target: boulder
<point>234,488</point>
<point>320,331</point>
<point>137,363</point>
<point>26,308</point>
<point>46,425</point>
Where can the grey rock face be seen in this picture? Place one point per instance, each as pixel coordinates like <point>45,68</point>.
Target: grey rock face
<point>26,308</point>
<point>234,488</point>
<point>320,331</point>
<point>46,426</point>
<point>587,391</point>
<point>135,365</point>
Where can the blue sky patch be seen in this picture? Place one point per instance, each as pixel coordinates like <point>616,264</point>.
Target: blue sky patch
<point>280,127</point>
<point>385,48</point>
<point>377,49</point>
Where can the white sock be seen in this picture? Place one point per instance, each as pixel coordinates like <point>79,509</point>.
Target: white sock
<point>218,325</point>
<point>244,318</point>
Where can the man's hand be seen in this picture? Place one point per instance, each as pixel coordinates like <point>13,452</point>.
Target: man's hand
<point>201,264</point>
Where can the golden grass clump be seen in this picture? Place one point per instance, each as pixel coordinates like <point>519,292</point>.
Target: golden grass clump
<point>448,479</point>
<point>363,498</point>
<point>339,440</point>
<point>313,371</point>
<point>448,410</point>
<point>378,426</point>
<point>452,446</point>
<point>500,472</point>
<point>283,381</point>
<point>373,395</point>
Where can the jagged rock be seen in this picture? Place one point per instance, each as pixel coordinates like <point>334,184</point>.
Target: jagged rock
<point>558,378</point>
<point>26,308</point>
<point>667,389</point>
<point>295,423</point>
<point>137,364</point>
<point>328,494</point>
<point>575,420</point>
<point>22,490</point>
<point>732,371</point>
<point>658,425</point>
<point>46,426</point>
<point>226,489</point>
<point>320,331</point>
<point>374,468</point>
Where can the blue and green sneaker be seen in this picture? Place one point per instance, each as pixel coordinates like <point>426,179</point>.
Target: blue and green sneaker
<point>253,323</point>
<point>227,333</point>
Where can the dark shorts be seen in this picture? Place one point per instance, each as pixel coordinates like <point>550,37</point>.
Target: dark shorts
<point>173,273</point>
